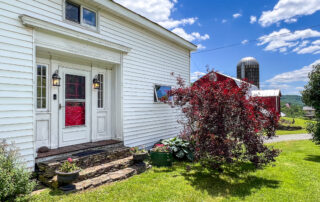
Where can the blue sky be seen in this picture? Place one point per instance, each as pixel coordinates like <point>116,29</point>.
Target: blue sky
<point>283,35</point>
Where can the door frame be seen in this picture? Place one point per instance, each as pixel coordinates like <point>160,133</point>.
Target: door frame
<point>63,70</point>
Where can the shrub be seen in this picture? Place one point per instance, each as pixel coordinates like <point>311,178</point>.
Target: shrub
<point>14,179</point>
<point>69,166</point>
<point>224,124</point>
<point>181,148</point>
<point>161,148</point>
<point>311,97</point>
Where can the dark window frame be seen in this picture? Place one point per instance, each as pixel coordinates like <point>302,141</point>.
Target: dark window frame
<point>155,94</point>
<point>81,20</point>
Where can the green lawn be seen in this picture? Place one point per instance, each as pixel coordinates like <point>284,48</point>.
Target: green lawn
<point>294,177</point>
<point>298,122</point>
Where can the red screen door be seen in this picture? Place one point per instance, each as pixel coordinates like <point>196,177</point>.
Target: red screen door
<point>75,98</point>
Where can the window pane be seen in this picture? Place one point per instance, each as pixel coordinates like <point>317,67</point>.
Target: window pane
<point>75,87</point>
<point>38,103</point>
<point>100,91</point>
<point>72,12</point>
<point>89,17</point>
<point>162,92</point>
<point>75,114</point>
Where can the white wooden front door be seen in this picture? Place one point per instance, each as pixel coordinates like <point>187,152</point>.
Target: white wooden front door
<point>74,107</point>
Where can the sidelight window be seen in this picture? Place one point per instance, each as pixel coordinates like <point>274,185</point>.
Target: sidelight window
<point>100,91</point>
<point>41,87</point>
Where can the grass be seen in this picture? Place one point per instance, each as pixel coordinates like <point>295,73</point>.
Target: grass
<point>294,177</point>
<point>298,122</point>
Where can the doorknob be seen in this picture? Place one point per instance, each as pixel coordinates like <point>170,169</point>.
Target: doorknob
<point>60,106</point>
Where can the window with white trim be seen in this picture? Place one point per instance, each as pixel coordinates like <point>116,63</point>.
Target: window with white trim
<point>100,91</point>
<point>42,86</point>
<point>161,93</point>
<point>80,14</point>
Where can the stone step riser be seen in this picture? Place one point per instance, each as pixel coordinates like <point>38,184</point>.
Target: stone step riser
<point>104,169</point>
<point>103,179</point>
<point>47,169</point>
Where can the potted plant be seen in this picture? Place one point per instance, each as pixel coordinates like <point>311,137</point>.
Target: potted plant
<point>139,155</point>
<point>67,173</point>
<point>161,155</point>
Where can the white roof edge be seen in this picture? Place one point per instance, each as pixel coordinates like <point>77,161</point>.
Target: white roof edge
<point>131,16</point>
<point>266,93</point>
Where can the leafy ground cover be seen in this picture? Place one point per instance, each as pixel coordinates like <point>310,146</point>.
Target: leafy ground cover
<point>298,122</point>
<point>294,177</point>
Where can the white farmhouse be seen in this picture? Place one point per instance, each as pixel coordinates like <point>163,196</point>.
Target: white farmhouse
<point>79,71</point>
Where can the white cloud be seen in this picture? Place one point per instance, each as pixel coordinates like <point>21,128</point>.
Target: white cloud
<point>160,12</point>
<point>290,82</point>
<point>288,10</point>
<point>196,75</point>
<point>175,23</point>
<point>190,37</point>
<point>201,47</point>
<point>253,19</point>
<point>284,38</point>
<point>309,49</point>
<point>244,41</point>
<point>236,15</point>
<point>317,42</point>
<point>224,21</point>
<point>293,76</point>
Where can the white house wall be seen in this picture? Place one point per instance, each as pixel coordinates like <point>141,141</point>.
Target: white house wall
<point>150,61</point>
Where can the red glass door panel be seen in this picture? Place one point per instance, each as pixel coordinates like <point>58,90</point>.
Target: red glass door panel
<point>75,113</point>
<point>75,98</point>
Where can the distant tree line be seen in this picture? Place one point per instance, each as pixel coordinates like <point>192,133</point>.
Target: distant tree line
<point>293,111</point>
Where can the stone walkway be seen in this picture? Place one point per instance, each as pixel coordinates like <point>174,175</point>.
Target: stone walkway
<point>282,138</point>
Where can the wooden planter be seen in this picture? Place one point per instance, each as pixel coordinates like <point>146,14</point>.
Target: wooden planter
<point>161,158</point>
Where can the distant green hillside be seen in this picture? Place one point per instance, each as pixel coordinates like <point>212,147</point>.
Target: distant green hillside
<point>292,99</point>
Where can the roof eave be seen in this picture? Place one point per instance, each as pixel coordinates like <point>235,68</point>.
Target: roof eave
<point>135,18</point>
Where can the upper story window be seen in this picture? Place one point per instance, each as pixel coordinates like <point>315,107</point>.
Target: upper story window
<point>80,14</point>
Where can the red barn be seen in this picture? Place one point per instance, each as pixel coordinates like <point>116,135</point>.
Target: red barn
<point>269,97</point>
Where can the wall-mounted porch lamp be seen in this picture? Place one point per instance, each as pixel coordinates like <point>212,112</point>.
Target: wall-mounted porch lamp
<point>96,82</point>
<point>56,78</point>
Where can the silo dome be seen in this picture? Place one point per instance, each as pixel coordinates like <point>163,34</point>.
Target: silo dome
<point>248,68</point>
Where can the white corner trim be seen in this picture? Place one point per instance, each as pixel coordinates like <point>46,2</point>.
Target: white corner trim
<point>52,27</point>
<point>135,18</point>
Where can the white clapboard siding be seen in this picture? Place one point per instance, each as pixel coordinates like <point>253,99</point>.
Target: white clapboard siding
<point>151,61</point>
<point>16,78</point>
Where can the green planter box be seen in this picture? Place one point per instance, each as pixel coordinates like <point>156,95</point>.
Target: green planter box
<point>161,158</point>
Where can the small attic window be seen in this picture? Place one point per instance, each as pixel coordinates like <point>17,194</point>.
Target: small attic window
<point>80,14</point>
<point>161,93</point>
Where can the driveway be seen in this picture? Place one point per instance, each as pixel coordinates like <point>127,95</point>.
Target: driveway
<point>282,138</point>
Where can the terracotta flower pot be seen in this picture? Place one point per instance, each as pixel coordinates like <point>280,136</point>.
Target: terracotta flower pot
<point>67,178</point>
<point>140,157</point>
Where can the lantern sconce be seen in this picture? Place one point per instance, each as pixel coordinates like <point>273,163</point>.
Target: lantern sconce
<point>96,82</point>
<point>56,78</point>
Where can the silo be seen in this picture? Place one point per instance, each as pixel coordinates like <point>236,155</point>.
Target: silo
<point>248,68</point>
